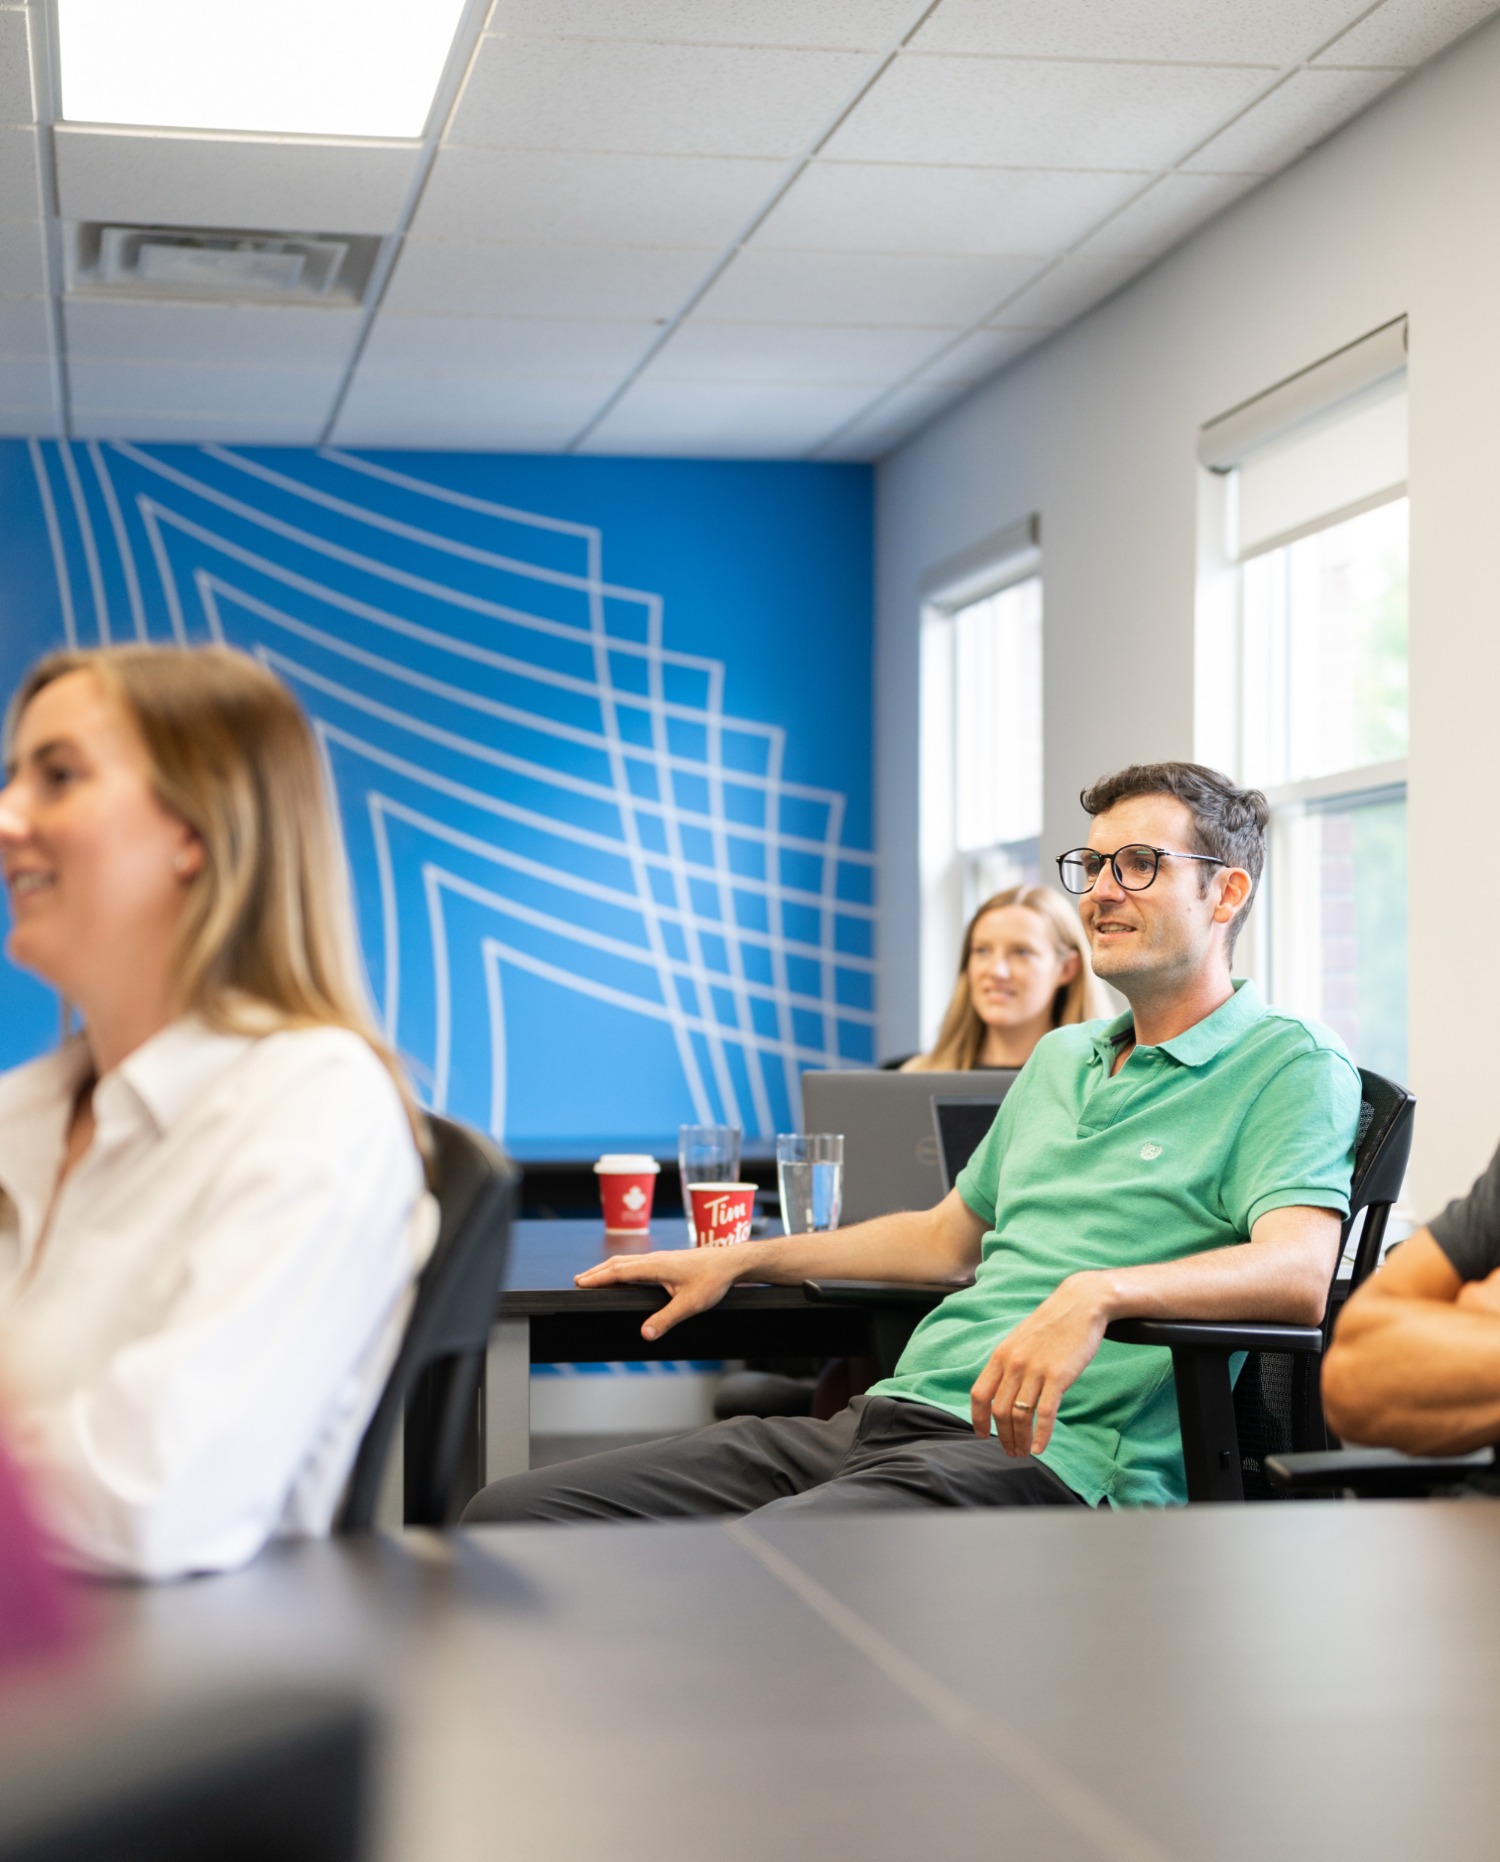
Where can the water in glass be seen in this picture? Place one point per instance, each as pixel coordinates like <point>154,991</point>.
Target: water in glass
<point>810,1176</point>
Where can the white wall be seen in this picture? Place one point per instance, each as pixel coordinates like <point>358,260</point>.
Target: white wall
<point>1096,432</point>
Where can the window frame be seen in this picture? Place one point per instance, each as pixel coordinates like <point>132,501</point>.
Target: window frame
<point>1266,948</point>
<point>949,874</point>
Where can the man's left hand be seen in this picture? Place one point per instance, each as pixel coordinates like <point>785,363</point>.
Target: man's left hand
<point>1030,1369</point>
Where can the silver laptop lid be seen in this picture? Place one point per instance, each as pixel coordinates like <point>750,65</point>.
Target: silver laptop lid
<point>891,1155</point>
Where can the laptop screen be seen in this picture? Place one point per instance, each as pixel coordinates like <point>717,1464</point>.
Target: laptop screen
<point>962,1125</point>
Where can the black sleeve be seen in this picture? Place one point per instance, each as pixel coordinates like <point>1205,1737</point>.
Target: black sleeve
<point>1468,1230</point>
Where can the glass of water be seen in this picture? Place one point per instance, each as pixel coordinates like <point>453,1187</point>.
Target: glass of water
<point>810,1176</point>
<point>706,1154</point>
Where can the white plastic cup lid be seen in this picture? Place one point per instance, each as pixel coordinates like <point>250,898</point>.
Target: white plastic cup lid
<point>622,1163</point>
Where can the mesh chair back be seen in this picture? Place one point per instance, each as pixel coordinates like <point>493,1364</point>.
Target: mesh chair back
<point>1278,1404</point>
<point>434,1381</point>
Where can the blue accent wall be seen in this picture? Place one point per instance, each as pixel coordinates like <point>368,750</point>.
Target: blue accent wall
<point>599,732</point>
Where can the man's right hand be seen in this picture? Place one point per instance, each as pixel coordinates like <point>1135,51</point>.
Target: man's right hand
<point>696,1278</point>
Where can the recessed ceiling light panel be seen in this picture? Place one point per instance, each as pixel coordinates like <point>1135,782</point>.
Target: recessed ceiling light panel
<point>298,67</point>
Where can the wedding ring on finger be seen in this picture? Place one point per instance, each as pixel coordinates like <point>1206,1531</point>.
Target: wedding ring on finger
<point>1025,1406</point>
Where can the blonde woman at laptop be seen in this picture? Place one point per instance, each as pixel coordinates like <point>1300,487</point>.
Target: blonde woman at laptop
<point>212,1205</point>
<point>1023,971</point>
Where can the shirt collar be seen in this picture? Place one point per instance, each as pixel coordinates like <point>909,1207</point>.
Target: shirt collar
<point>1200,1043</point>
<point>174,1069</point>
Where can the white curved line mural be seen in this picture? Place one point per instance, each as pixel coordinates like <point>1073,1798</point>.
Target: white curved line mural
<point>592,903</point>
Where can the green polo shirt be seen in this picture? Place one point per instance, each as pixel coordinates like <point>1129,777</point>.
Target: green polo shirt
<point>1184,1149</point>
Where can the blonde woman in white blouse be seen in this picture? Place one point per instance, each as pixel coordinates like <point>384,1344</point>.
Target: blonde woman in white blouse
<point>212,1205</point>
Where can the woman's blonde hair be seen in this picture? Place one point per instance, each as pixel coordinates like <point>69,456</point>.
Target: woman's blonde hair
<point>960,1040</point>
<point>267,936</point>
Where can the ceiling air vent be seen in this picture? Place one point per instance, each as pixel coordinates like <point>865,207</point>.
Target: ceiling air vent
<point>225,267</point>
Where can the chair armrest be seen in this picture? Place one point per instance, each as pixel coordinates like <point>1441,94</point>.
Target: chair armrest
<point>1210,1334</point>
<point>912,1293</point>
<point>1378,1473</point>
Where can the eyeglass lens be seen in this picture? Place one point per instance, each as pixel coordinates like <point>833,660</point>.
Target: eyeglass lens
<point>1135,868</point>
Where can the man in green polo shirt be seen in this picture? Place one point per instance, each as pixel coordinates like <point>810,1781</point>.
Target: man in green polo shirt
<point>1188,1160</point>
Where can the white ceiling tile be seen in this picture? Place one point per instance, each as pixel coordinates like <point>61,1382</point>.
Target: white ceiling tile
<point>1039,114</point>
<point>438,277</point>
<point>230,428</point>
<point>704,351</point>
<point>32,423</point>
<point>893,420</point>
<point>20,186</point>
<point>1167,212</point>
<point>176,178</point>
<point>860,287</point>
<point>456,430</point>
<point>560,197</point>
<point>25,326</point>
<point>847,25</point>
<point>652,99</point>
<point>1309,106</point>
<point>725,417</point>
<point>193,389</point>
<point>231,335</point>
<point>887,207</point>
<point>534,402</point>
<point>1073,286</point>
<point>1404,32</point>
<point>980,354</point>
<point>15,70</point>
<point>23,259</point>
<point>792,442</point>
<point>562,348</point>
<point>1254,32</point>
<point>25,381</point>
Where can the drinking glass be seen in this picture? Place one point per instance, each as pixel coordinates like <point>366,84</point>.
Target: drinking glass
<point>810,1176</point>
<point>706,1154</point>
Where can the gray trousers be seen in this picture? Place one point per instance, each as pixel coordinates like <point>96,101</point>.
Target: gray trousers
<point>877,1453</point>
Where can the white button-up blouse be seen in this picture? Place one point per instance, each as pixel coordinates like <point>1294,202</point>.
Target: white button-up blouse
<point>190,1356</point>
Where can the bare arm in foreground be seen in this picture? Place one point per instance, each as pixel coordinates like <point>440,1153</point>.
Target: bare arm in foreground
<point>924,1244</point>
<point>1415,1362</point>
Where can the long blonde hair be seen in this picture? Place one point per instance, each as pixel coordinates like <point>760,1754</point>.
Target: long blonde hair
<point>267,935</point>
<point>960,1040</point>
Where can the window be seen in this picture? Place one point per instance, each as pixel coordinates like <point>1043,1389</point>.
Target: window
<point>980,744</point>
<point>1313,640</point>
<point>997,739</point>
<point>1324,623</point>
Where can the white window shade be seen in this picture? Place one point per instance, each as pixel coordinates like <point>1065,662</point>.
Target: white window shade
<point>1344,460</point>
<point>1324,442</point>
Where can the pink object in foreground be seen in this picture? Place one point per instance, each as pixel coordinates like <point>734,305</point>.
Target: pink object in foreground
<point>722,1213</point>
<point>627,1183</point>
<point>35,1617</point>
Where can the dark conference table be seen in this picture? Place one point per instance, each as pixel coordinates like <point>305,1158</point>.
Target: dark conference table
<point>542,1318</point>
<point>1296,1680</point>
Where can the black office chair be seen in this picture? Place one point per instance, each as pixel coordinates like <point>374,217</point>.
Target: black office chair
<point>434,1382</point>
<point>1230,1432</point>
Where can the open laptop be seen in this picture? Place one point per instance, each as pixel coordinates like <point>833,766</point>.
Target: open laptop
<point>960,1127</point>
<point>892,1158</point>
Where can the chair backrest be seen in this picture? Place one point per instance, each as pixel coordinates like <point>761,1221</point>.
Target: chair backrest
<point>1277,1402</point>
<point>434,1379</point>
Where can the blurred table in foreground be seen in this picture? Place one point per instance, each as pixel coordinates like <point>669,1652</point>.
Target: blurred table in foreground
<point>1295,1680</point>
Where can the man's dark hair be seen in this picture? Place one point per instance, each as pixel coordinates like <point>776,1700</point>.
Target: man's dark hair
<point>1228,822</point>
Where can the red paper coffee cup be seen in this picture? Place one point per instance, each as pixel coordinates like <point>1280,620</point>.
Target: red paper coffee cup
<point>722,1213</point>
<point>626,1185</point>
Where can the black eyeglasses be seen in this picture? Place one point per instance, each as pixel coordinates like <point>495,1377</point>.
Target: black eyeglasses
<point>1134,867</point>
